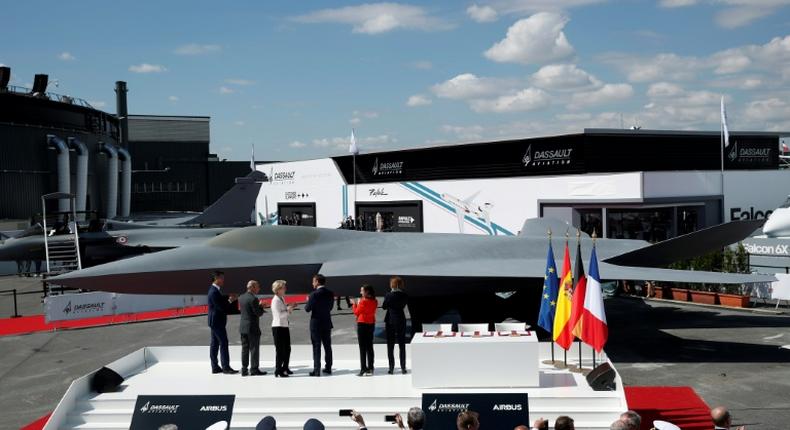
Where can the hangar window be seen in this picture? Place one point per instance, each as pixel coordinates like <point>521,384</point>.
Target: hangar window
<point>650,224</point>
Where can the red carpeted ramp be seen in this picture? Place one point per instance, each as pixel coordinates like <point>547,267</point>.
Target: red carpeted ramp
<point>37,323</point>
<point>678,405</point>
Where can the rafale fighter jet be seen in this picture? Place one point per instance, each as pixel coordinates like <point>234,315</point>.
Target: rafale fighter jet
<point>124,239</point>
<point>441,271</point>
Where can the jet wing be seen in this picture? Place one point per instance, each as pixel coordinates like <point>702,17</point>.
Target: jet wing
<point>689,245</point>
<point>613,272</point>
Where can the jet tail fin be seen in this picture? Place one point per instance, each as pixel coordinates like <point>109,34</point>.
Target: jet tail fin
<point>235,206</point>
<point>689,245</point>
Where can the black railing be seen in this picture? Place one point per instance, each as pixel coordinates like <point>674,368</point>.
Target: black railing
<point>51,96</point>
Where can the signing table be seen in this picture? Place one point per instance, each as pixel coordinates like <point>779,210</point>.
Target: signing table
<point>481,359</point>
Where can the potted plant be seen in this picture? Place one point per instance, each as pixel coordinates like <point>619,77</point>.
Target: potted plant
<point>681,294</point>
<point>735,261</point>
<point>703,296</point>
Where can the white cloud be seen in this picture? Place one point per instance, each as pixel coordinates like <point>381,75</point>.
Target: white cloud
<point>464,132</point>
<point>243,82</point>
<point>172,99</point>
<point>357,116</point>
<point>354,121</point>
<point>521,7</point>
<point>239,123</point>
<point>524,100</point>
<point>661,66</point>
<point>468,85</point>
<point>736,13</point>
<point>422,65</point>
<point>364,142</point>
<point>606,94</point>
<point>66,56</point>
<point>98,104</point>
<point>226,90</point>
<point>731,62</point>
<point>297,144</point>
<point>418,100</point>
<point>377,18</point>
<point>482,13</point>
<point>768,110</point>
<point>563,77</point>
<point>147,68</point>
<point>197,49</point>
<point>773,56</point>
<point>534,40</point>
<point>664,89</point>
<point>677,3</point>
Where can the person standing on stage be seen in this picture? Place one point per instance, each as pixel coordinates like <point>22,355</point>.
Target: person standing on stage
<point>280,331</point>
<point>319,304</point>
<point>218,309</point>
<point>395,322</point>
<point>250,329</point>
<point>365,310</point>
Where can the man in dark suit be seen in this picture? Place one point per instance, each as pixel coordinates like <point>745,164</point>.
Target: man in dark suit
<point>250,329</point>
<point>319,304</point>
<point>395,322</point>
<point>219,307</point>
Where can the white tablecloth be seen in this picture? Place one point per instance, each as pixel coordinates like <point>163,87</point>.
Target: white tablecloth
<point>486,361</point>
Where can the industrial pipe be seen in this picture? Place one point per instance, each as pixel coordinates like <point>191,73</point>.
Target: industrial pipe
<point>112,179</point>
<point>64,172</point>
<point>82,176</point>
<point>126,181</point>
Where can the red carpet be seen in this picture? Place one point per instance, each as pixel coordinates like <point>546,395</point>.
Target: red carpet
<point>678,405</point>
<point>36,323</point>
<point>37,424</point>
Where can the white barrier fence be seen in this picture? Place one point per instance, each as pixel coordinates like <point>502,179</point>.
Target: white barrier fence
<point>87,305</point>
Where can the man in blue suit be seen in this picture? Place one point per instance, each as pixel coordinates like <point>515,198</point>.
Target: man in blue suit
<point>219,307</point>
<point>319,304</point>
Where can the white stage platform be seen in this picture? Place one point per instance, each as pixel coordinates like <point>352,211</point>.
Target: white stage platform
<point>186,370</point>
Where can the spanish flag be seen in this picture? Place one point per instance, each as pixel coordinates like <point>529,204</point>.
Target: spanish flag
<point>562,335</point>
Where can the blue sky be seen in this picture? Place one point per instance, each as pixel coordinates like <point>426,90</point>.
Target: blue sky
<point>293,78</point>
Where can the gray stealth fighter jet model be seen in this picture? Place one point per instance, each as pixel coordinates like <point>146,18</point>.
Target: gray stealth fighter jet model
<point>440,268</point>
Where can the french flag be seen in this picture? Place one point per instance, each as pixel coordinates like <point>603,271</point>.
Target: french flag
<point>593,321</point>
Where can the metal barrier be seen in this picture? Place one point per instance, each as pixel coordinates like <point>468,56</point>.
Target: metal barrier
<point>16,308</point>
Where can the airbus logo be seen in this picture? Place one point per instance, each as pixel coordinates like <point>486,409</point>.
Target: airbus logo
<point>214,408</point>
<point>508,407</point>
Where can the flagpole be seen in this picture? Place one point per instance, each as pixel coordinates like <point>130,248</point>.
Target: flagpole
<point>565,351</point>
<point>354,162</point>
<point>721,150</point>
<point>578,242</point>
<point>552,340</point>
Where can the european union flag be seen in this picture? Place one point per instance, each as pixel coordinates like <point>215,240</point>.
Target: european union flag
<point>551,287</point>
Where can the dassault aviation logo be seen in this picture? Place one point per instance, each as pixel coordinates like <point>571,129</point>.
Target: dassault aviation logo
<point>145,407</point>
<point>67,309</point>
<point>447,407</point>
<point>733,155</point>
<point>159,409</point>
<point>387,167</point>
<point>547,157</point>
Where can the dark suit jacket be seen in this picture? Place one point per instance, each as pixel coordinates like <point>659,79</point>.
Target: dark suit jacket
<point>394,303</point>
<point>320,304</point>
<point>251,311</point>
<point>218,308</point>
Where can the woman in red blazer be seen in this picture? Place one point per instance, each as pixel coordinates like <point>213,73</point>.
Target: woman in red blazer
<point>365,310</point>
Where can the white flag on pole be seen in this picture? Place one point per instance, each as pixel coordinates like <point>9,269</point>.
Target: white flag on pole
<point>252,159</point>
<point>724,128</point>
<point>353,148</point>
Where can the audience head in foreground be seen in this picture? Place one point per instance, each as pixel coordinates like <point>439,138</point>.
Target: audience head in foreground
<point>313,424</point>
<point>415,420</point>
<point>632,420</point>
<point>619,425</point>
<point>468,420</point>
<point>564,423</point>
<point>267,423</point>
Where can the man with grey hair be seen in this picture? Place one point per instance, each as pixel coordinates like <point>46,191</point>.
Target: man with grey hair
<point>722,420</point>
<point>631,419</point>
<point>250,329</point>
<point>619,425</point>
<point>415,419</point>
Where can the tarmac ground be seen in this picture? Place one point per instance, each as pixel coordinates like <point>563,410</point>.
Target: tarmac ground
<point>732,358</point>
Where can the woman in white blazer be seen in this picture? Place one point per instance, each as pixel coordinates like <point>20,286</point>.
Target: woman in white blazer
<point>280,331</point>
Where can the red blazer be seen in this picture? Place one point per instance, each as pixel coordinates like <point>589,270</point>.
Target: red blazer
<point>366,310</point>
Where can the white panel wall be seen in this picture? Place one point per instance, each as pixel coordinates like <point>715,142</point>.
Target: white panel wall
<point>682,184</point>
<point>754,193</point>
<point>317,181</point>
